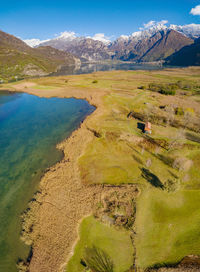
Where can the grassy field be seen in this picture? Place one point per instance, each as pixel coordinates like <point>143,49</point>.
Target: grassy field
<point>165,165</point>
<point>173,227</point>
<point>94,233</point>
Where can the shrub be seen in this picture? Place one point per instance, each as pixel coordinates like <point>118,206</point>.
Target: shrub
<point>190,111</point>
<point>95,81</point>
<point>142,87</point>
<point>179,111</point>
<point>97,260</point>
<point>166,89</point>
<point>154,87</point>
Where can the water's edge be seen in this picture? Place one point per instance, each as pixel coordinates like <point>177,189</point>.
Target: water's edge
<point>20,262</point>
<point>24,264</point>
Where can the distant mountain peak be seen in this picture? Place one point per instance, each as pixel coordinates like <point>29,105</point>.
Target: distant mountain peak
<point>66,35</point>
<point>34,42</point>
<point>191,30</point>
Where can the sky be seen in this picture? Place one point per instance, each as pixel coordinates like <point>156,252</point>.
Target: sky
<point>44,19</point>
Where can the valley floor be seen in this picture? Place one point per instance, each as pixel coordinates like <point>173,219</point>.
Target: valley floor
<point>131,195</point>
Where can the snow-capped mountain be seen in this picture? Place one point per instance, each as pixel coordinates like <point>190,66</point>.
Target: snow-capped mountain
<point>149,45</point>
<point>191,31</point>
<point>155,41</point>
<point>91,49</point>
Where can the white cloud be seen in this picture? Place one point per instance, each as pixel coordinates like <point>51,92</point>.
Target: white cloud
<point>195,11</point>
<point>100,37</point>
<point>34,42</point>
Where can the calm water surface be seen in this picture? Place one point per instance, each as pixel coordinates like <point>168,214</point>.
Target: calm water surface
<point>87,68</point>
<point>30,128</point>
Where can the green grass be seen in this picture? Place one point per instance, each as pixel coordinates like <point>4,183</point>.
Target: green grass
<point>167,223</point>
<point>173,230</point>
<point>116,157</point>
<point>116,243</point>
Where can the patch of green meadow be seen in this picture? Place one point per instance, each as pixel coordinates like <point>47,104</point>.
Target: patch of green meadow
<point>116,243</point>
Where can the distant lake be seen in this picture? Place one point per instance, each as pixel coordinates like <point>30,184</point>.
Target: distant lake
<point>87,68</point>
<point>30,128</point>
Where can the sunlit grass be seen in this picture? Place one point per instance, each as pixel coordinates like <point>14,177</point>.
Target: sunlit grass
<point>116,243</point>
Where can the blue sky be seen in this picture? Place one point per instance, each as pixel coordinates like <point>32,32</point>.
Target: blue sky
<point>43,19</point>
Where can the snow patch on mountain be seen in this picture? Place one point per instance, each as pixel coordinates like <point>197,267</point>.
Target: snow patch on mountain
<point>66,35</point>
<point>148,30</point>
<point>124,37</point>
<point>34,42</point>
<point>191,30</point>
<point>100,37</point>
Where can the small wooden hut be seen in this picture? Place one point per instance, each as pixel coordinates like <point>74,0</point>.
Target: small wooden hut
<point>147,128</point>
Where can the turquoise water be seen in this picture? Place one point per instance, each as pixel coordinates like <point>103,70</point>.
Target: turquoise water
<point>30,128</point>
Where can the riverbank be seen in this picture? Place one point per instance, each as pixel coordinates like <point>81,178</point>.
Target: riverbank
<point>108,143</point>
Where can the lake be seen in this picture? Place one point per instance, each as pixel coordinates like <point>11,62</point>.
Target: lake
<point>30,128</point>
<point>87,68</point>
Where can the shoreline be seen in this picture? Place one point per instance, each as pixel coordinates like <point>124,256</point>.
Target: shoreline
<point>65,202</point>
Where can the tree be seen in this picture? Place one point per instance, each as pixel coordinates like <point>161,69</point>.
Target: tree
<point>170,114</point>
<point>97,260</point>
<point>178,138</point>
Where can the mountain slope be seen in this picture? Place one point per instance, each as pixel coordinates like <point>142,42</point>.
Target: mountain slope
<point>187,56</point>
<point>170,42</point>
<point>84,48</point>
<point>17,59</point>
<point>149,46</point>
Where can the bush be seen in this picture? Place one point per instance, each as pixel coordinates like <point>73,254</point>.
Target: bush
<point>166,89</point>
<point>97,260</point>
<point>95,81</point>
<point>179,111</point>
<point>142,87</point>
<point>190,111</point>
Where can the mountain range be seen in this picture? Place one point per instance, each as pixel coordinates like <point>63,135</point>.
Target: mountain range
<point>175,45</point>
<point>147,45</point>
